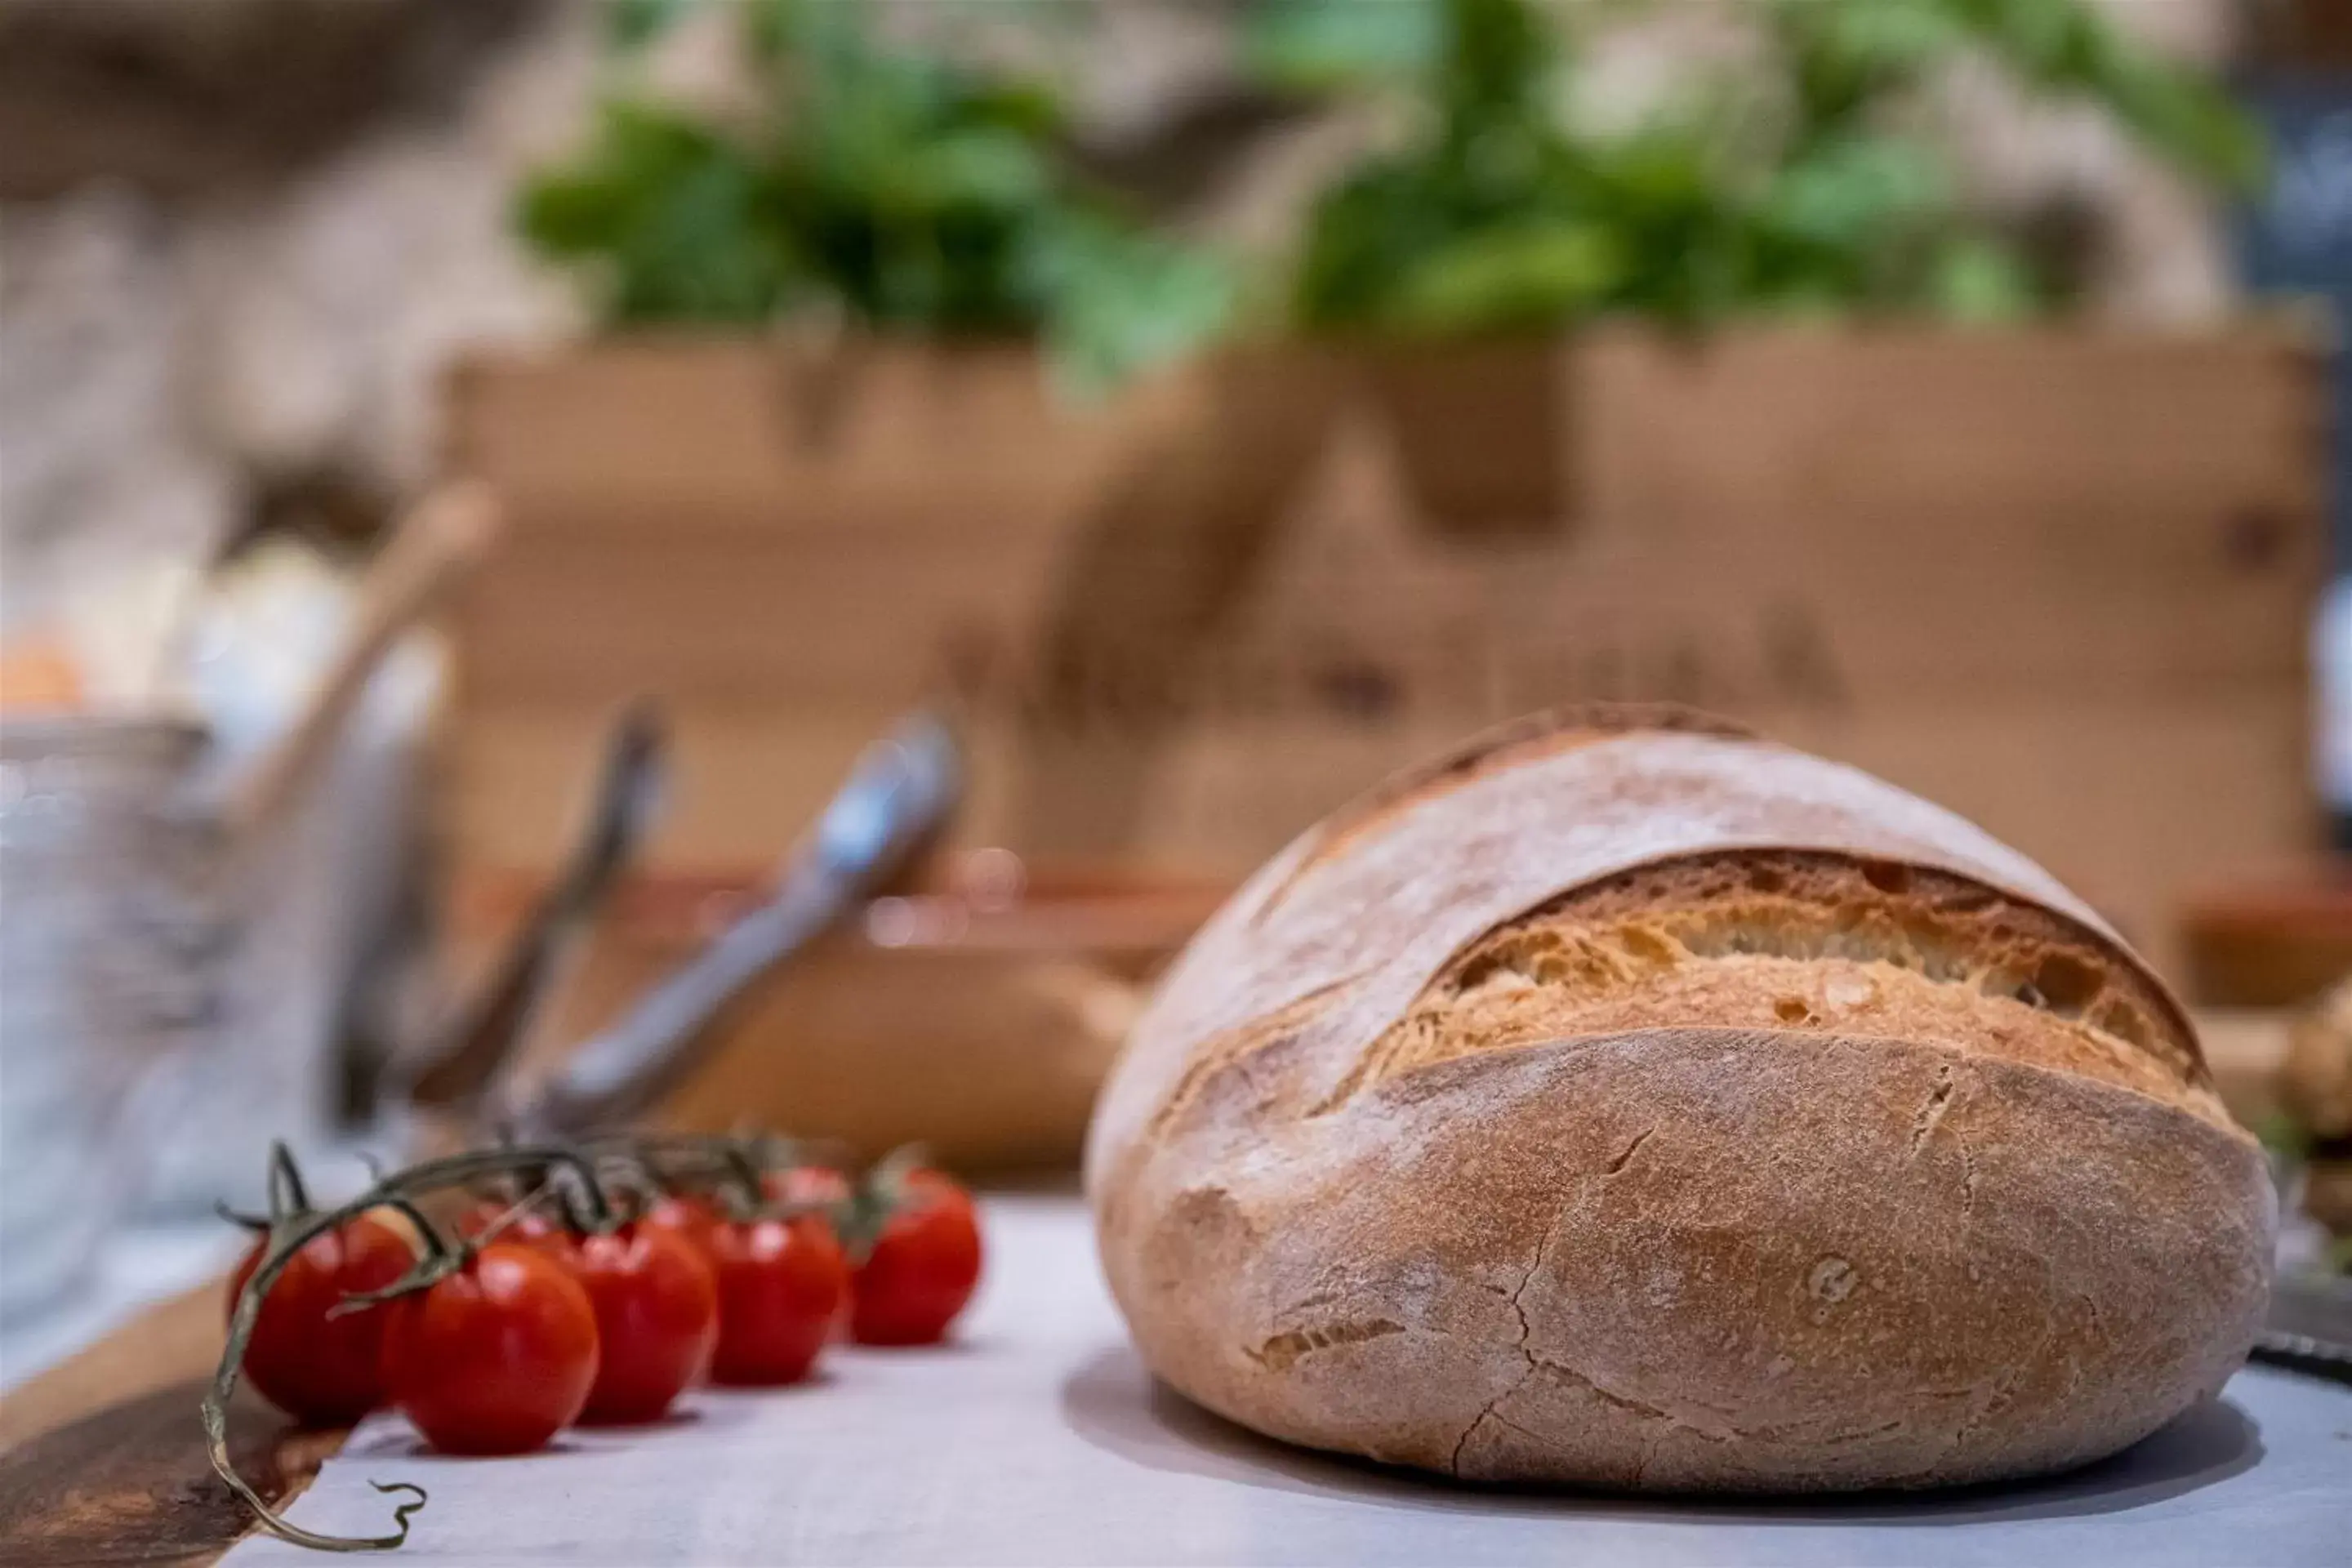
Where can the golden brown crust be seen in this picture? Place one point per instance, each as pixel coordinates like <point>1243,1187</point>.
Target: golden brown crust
<point>1805,939</point>
<point>1674,1111</point>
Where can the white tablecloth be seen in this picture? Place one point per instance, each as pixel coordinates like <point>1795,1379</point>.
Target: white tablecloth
<point>1039,1439</point>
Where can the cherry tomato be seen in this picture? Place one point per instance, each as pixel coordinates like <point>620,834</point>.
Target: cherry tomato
<point>657,1301</point>
<point>531,1227</point>
<point>320,1370</point>
<point>692,1217</point>
<point>495,1359</point>
<point>806,1184</point>
<point>781,1285</point>
<point>923,1267</point>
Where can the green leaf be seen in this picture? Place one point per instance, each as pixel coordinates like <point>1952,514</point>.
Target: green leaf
<point>982,166</point>
<point>674,218</point>
<point>772,28</point>
<point>2186,121</point>
<point>900,188</point>
<point>1334,46</point>
<point>2064,46</point>
<point>1029,108</point>
<point>1857,191</point>
<point>1364,233</point>
<point>1843,58</point>
<point>1539,274</point>
<point>1977,280</point>
<point>1892,38</point>
<point>2048,41</point>
<point>1497,211</point>
<point>1495,59</point>
<point>1128,302</point>
<point>634,23</point>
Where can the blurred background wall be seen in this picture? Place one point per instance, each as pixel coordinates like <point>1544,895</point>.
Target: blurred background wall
<point>243,237</point>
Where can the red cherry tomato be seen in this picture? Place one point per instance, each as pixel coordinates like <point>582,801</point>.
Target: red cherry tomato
<point>532,1227</point>
<point>320,1370</point>
<point>923,1267</point>
<point>692,1217</point>
<point>806,1184</point>
<point>495,1359</point>
<point>781,1285</point>
<point>657,1301</point>
<point>818,1191</point>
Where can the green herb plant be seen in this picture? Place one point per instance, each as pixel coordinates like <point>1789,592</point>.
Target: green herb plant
<point>1805,184</point>
<point>880,185</point>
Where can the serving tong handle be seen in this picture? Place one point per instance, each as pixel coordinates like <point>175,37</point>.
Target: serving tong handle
<point>897,800</point>
<point>479,1049</point>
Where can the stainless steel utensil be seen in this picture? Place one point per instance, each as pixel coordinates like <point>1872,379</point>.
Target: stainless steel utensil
<point>897,800</point>
<point>2309,1325</point>
<point>464,1072</point>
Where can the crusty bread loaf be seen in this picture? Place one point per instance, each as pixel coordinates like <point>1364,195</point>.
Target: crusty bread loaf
<point>1627,1102</point>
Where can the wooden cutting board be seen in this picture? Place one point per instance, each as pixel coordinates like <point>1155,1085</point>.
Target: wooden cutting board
<point>102,1457</point>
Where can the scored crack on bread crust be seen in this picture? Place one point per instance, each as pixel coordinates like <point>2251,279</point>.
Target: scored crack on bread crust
<point>1801,939</point>
<point>1667,1108</point>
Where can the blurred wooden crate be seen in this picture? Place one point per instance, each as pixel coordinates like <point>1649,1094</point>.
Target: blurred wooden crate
<point>979,1026</point>
<point>2276,940</point>
<point>2057,579</point>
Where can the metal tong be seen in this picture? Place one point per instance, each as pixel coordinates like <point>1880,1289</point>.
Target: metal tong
<point>502,1016</point>
<point>2309,1326</point>
<point>897,800</point>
